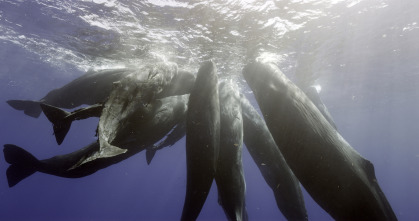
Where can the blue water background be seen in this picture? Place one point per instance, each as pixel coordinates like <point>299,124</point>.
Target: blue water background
<point>363,54</point>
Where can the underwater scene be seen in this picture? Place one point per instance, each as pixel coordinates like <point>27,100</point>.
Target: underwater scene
<point>209,110</point>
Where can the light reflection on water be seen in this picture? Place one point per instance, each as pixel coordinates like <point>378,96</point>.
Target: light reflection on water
<point>92,33</point>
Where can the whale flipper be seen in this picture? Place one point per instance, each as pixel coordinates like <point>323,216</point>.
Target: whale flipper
<point>150,155</point>
<point>174,136</point>
<point>30,108</point>
<point>57,117</point>
<point>23,164</point>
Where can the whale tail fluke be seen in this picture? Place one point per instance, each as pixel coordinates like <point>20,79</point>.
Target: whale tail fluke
<point>30,108</point>
<point>23,164</point>
<point>57,117</point>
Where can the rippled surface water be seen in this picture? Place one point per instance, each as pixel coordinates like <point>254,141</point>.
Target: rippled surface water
<point>363,54</point>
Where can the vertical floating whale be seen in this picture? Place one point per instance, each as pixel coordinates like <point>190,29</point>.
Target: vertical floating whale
<point>202,139</point>
<point>338,178</point>
<point>314,96</point>
<point>272,165</point>
<point>229,175</point>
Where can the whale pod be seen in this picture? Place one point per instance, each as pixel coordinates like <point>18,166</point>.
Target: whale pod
<point>338,178</point>
<point>95,86</point>
<point>150,128</point>
<point>161,84</point>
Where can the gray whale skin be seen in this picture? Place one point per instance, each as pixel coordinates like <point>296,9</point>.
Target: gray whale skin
<point>338,178</point>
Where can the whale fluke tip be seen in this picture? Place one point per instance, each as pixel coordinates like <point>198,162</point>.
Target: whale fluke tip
<point>150,155</point>
<point>30,108</point>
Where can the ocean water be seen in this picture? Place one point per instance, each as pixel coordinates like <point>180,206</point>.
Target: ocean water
<point>362,54</point>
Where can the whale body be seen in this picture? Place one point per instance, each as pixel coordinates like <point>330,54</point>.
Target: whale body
<point>132,90</point>
<point>95,86</point>
<point>151,128</point>
<point>271,163</point>
<point>338,178</point>
<point>229,175</point>
<point>202,139</point>
<point>90,88</point>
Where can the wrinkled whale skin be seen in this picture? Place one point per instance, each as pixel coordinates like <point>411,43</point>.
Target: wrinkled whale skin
<point>229,175</point>
<point>275,170</point>
<point>338,178</point>
<point>168,113</point>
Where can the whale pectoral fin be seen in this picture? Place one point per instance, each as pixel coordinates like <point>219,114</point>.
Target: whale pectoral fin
<point>109,150</point>
<point>150,155</point>
<point>368,167</point>
<point>30,108</point>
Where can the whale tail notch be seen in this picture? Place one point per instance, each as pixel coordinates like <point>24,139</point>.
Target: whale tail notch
<point>22,164</point>
<point>30,108</point>
<point>57,117</point>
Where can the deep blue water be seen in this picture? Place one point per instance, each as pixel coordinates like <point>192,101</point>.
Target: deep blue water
<point>363,54</point>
